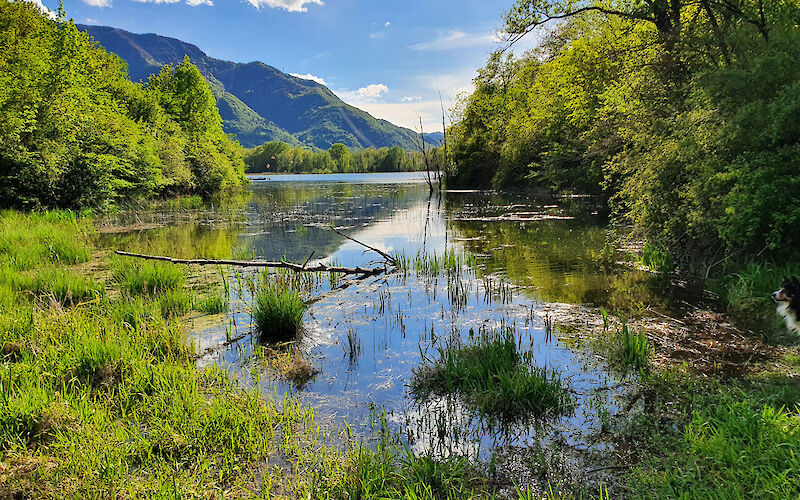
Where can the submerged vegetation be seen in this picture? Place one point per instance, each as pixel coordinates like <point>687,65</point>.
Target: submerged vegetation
<point>76,132</point>
<point>492,376</point>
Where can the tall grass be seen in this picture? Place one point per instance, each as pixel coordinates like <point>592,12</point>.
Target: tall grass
<point>634,348</point>
<point>278,313</point>
<point>60,237</point>
<point>139,277</point>
<point>493,377</point>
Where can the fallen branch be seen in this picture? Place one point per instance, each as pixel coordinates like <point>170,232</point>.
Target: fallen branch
<point>391,260</point>
<point>300,268</point>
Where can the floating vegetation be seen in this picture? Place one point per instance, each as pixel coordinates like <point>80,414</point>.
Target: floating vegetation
<point>493,377</point>
<point>287,362</point>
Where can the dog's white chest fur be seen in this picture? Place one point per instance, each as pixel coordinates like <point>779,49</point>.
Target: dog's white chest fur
<point>791,318</point>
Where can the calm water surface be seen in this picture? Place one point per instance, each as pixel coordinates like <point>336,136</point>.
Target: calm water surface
<point>524,256</point>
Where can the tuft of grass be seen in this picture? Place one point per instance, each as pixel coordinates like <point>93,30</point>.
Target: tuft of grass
<point>214,303</point>
<point>750,288</point>
<point>62,286</point>
<point>493,377</point>
<point>634,348</point>
<point>278,314</point>
<point>174,303</point>
<point>137,277</point>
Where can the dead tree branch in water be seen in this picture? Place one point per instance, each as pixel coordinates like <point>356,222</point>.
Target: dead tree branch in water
<point>299,268</point>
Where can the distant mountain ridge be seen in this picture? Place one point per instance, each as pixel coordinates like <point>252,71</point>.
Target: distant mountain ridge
<point>259,103</point>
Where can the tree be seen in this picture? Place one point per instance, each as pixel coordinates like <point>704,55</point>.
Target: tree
<point>341,155</point>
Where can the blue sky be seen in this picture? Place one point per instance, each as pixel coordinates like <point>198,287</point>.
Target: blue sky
<point>387,57</point>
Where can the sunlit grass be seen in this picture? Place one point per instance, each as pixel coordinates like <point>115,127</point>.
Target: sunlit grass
<point>495,378</point>
<point>139,277</point>
<point>278,313</point>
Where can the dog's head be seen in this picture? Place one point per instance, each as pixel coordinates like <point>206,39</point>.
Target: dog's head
<point>789,291</point>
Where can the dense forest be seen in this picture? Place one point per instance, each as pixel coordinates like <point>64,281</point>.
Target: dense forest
<point>76,132</point>
<point>278,156</point>
<point>684,115</point>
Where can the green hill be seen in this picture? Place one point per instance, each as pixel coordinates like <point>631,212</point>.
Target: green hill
<point>259,103</point>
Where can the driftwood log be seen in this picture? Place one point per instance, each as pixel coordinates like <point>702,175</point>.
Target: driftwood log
<point>300,268</point>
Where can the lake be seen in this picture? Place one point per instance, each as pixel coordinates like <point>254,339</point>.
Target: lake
<point>537,268</point>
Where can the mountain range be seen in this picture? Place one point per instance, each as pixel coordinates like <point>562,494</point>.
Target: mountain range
<point>259,103</point>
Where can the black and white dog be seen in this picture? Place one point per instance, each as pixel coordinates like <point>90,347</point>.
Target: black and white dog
<point>788,299</point>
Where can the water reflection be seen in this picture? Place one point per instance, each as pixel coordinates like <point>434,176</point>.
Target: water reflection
<point>517,255</point>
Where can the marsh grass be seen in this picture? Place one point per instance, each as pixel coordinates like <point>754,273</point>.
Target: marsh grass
<point>634,348</point>
<point>139,277</point>
<point>750,288</point>
<point>32,240</point>
<point>278,313</point>
<point>495,378</point>
<point>213,303</point>
<point>175,303</point>
<point>732,439</point>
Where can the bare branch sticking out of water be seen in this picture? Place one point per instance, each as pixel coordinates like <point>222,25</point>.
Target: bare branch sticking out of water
<point>389,259</point>
<point>299,268</point>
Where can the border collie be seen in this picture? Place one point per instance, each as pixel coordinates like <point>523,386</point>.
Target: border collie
<point>788,299</point>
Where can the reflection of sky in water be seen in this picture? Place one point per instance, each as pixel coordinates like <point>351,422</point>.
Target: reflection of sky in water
<point>399,319</point>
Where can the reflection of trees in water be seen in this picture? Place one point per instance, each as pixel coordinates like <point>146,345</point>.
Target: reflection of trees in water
<point>561,261</point>
<point>185,240</point>
<point>291,219</point>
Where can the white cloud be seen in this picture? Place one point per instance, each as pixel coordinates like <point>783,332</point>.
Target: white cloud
<point>311,77</point>
<point>413,98</point>
<point>387,24</point>
<point>47,12</point>
<point>91,20</point>
<point>374,90</point>
<point>455,40</point>
<point>289,5</point>
<point>98,3</point>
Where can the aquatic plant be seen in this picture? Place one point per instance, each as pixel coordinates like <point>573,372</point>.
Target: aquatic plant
<point>634,348</point>
<point>214,303</point>
<point>278,313</point>
<point>495,378</point>
<point>174,303</point>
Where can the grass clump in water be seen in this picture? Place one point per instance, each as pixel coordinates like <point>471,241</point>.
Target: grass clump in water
<point>496,379</point>
<point>634,348</point>
<point>278,314</point>
<point>215,303</point>
<point>148,278</point>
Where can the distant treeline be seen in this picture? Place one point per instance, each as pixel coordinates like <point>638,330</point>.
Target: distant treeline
<point>76,132</point>
<point>684,116</point>
<point>281,157</point>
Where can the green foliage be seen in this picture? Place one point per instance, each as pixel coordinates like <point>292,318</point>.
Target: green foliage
<point>634,348</point>
<point>665,123</point>
<point>280,157</point>
<point>278,313</point>
<point>493,377</point>
<point>75,132</point>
